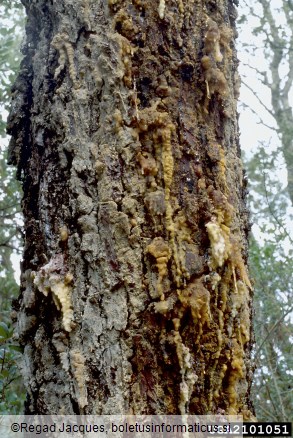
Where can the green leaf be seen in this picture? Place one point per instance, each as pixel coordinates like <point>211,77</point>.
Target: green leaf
<point>4,330</point>
<point>17,348</point>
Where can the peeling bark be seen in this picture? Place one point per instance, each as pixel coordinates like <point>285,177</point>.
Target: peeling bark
<point>135,295</point>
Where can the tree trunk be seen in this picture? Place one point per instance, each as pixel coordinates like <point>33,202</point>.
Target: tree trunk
<point>135,296</point>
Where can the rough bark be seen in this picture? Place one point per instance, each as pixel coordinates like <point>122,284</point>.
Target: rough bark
<point>135,295</point>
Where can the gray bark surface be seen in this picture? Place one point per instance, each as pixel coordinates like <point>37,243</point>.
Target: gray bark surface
<point>135,296</point>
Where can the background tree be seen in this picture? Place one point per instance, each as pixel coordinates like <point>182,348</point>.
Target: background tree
<point>271,250</point>
<point>273,31</point>
<point>135,294</point>
<point>11,389</point>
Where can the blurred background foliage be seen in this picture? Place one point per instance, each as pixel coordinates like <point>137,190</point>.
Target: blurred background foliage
<point>266,55</point>
<point>12,393</point>
<point>271,266</point>
<point>271,249</point>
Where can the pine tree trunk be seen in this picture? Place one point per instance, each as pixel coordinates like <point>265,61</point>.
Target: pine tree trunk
<point>135,296</point>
